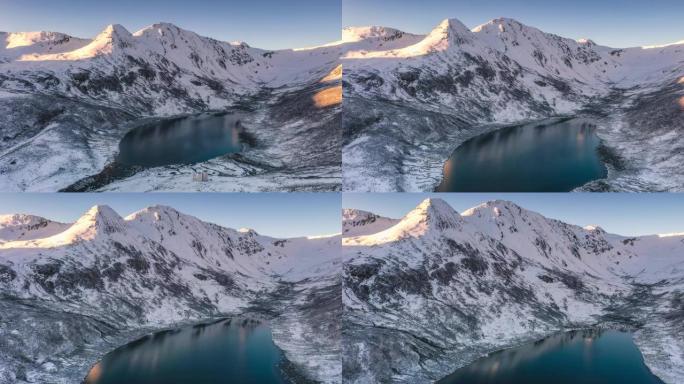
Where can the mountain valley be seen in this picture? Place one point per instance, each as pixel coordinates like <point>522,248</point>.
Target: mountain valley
<point>72,292</point>
<point>439,289</point>
<point>410,100</point>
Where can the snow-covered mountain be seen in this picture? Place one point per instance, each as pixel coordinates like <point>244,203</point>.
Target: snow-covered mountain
<point>159,69</point>
<point>415,101</point>
<point>373,37</point>
<point>37,43</point>
<point>356,222</point>
<point>440,289</point>
<point>117,278</point>
<point>69,101</point>
<point>27,227</point>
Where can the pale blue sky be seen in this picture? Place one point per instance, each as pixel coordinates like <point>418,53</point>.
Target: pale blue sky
<point>620,213</point>
<point>268,24</point>
<point>615,23</point>
<point>273,214</point>
<point>301,214</point>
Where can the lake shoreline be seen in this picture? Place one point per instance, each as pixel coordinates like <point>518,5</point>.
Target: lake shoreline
<point>530,341</point>
<point>508,158</point>
<point>288,370</point>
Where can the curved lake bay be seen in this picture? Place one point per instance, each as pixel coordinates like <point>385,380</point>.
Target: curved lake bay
<point>587,356</point>
<point>551,156</point>
<point>237,351</point>
<point>182,140</point>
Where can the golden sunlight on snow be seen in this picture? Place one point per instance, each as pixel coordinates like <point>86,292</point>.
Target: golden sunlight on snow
<point>681,80</point>
<point>413,224</point>
<point>662,235</point>
<point>335,74</point>
<point>328,97</point>
<point>15,40</point>
<point>681,102</point>
<point>324,236</point>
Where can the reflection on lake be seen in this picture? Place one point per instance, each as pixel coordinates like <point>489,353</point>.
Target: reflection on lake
<point>183,140</point>
<point>547,157</point>
<point>237,352</point>
<point>587,357</point>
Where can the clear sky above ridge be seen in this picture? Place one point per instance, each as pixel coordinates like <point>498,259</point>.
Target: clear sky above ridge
<point>628,214</point>
<point>272,214</point>
<point>615,23</point>
<point>268,24</point>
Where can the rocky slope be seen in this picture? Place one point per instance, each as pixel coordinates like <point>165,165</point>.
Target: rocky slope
<point>78,97</point>
<point>440,289</point>
<point>78,292</point>
<point>415,101</point>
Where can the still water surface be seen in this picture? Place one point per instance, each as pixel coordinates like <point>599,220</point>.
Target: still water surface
<point>183,140</point>
<point>587,357</point>
<point>235,352</point>
<point>551,156</point>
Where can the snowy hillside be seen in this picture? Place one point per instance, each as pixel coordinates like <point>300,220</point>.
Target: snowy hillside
<point>27,227</point>
<point>69,101</point>
<point>36,43</point>
<point>153,269</point>
<point>161,69</point>
<point>440,289</point>
<point>416,101</point>
<point>356,222</point>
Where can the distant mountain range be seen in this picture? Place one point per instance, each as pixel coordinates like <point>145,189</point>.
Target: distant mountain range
<point>438,289</point>
<point>160,69</point>
<point>68,101</point>
<point>411,99</point>
<point>72,292</point>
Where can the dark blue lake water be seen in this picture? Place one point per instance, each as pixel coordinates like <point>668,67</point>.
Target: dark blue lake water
<point>586,357</point>
<point>226,352</point>
<point>542,157</point>
<point>183,140</point>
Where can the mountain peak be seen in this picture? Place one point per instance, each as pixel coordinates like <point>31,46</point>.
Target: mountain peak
<point>163,24</point>
<point>505,20</point>
<point>452,24</point>
<point>594,228</point>
<point>502,204</point>
<point>20,219</point>
<point>27,227</point>
<point>114,30</point>
<point>435,213</point>
<point>247,231</point>
<point>165,209</point>
<point>154,213</point>
<point>356,222</point>
<point>99,219</point>
<point>431,216</point>
<point>113,37</point>
<point>25,39</point>
<point>352,213</point>
<point>101,211</point>
<point>159,29</point>
<point>494,208</point>
<point>499,25</point>
<point>447,33</point>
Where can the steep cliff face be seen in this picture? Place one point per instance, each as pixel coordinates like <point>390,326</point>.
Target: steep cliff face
<point>116,277</point>
<point>439,289</point>
<point>415,102</point>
